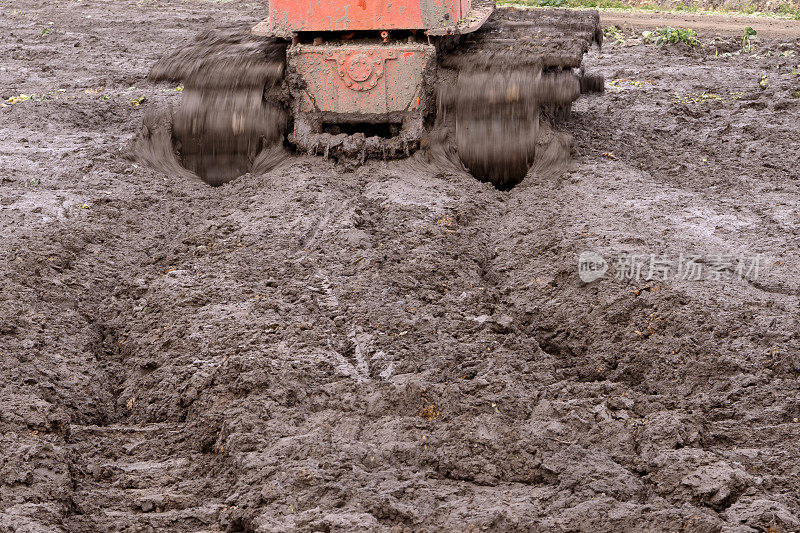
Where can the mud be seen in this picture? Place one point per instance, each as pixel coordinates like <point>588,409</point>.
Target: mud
<point>493,84</point>
<point>543,38</point>
<point>399,347</point>
<point>493,118</point>
<point>231,109</point>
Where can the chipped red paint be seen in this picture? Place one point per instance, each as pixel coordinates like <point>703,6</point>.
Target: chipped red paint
<point>339,15</point>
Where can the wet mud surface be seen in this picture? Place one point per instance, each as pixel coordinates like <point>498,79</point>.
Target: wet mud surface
<point>398,347</point>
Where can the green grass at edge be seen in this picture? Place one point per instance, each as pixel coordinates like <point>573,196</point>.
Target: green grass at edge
<point>784,11</point>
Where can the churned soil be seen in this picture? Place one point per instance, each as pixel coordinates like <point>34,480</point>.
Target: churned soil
<point>399,346</point>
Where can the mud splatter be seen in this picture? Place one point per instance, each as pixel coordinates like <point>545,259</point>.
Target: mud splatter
<point>229,113</point>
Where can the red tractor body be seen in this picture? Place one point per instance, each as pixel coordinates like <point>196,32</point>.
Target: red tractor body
<point>357,68</point>
<point>291,16</point>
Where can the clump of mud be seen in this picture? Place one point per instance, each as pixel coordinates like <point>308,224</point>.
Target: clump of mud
<point>229,120</point>
<point>496,118</point>
<point>550,153</point>
<point>153,145</point>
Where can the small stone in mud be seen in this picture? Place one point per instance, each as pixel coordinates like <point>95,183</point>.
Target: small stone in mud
<point>502,324</point>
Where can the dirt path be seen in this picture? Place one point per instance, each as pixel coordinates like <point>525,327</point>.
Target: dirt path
<point>719,25</point>
<point>399,347</point>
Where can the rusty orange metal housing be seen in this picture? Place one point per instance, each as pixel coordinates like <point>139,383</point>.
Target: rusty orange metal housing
<point>341,75</point>
<point>361,79</point>
<point>366,84</point>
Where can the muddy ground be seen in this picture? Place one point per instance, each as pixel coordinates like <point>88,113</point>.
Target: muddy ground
<point>397,347</point>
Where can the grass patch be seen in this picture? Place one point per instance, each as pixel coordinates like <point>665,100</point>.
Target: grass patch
<point>748,38</point>
<point>620,83</point>
<point>686,8</point>
<point>20,98</point>
<point>700,98</point>
<point>612,32</point>
<point>670,35</point>
<point>695,98</point>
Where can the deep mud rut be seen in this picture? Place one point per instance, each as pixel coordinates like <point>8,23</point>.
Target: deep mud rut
<point>399,347</point>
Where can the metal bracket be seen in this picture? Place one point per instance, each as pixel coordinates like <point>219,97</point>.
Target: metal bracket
<point>360,70</point>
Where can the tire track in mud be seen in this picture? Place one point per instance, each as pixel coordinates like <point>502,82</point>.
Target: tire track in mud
<point>63,373</point>
<point>385,220</point>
